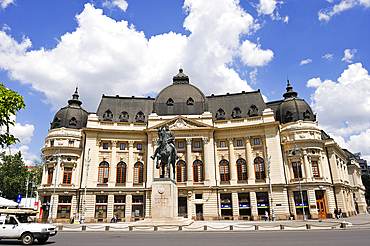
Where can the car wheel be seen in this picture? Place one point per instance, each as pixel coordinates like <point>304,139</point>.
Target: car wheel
<point>42,240</point>
<point>27,238</point>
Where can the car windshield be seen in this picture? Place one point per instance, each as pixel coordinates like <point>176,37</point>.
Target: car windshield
<point>25,218</point>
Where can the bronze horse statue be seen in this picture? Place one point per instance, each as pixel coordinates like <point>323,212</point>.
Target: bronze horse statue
<point>165,154</point>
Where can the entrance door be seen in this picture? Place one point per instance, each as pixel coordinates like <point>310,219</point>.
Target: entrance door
<point>182,207</point>
<point>199,211</point>
<point>320,203</point>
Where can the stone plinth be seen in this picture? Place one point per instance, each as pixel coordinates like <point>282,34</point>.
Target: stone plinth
<point>164,199</point>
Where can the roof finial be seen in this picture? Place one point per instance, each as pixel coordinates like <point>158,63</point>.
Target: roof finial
<point>287,79</point>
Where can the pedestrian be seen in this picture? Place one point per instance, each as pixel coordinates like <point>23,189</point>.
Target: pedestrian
<point>336,213</point>
<point>266,215</point>
<point>340,214</point>
<point>115,218</point>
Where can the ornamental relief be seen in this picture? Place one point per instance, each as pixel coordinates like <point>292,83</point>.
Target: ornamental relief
<point>106,158</point>
<point>123,158</point>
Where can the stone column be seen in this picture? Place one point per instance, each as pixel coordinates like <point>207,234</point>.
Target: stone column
<point>205,161</point>
<point>307,166</point>
<point>128,207</point>
<point>232,162</point>
<point>130,165</point>
<point>250,165</point>
<point>110,207</point>
<point>112,165</point>
<point>155,170</point>
<point>235,205</point>
<point>253,204</point>
<point>189,164</point>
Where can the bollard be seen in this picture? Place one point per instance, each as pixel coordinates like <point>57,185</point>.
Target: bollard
<point>180,228</point>
<point>60,228</point>
<point>130,228</point>
<point>282,227</point>
<point>107,228</point>
<point>205,227</point>
<point>231,227</point>
<point>343,225</point>
<point>84,228</point>
<point>155,228</point>
<point>256,227</point>
<point>308,226</point>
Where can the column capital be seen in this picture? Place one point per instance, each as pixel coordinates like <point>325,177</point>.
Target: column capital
<point>114,143</point>
<point>205,140</point>
<point>131,143</point>
<point>98,141</point>
<point>247,139</point>
<point>230,140</point>
<point>188,140</point>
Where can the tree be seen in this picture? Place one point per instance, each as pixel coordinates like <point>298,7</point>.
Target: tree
<point>366,183</point>
<point>10,104</point>
<point>13,175</point>
<point>36,173</point>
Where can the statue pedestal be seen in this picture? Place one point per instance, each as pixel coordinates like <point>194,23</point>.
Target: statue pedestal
<point>164,199</point>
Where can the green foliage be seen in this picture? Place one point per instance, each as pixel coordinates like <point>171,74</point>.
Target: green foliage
<point>13,176</point>
<point>36,172</point>
<point>366,183</point>
<point>10,104</point>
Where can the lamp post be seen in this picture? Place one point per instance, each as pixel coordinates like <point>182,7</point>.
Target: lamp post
<point>57,154</point>
<point>299,178</point>
<point>87,174</point>
<point>272,200</point>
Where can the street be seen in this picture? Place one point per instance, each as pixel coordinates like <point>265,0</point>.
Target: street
<point>276,238</point>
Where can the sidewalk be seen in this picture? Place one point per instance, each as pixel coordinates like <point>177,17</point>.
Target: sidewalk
<point>361,221</point>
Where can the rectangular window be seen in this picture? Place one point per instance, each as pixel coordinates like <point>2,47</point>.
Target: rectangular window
<point>137,206</point>
<point>222,144</point>
<point>71,143</point>
<point>119,206</point>
<point>64,207</point>
<point>262,202</point>
<point>101,207</point>
<point>244,205</point>
<point>139,146</point>
<point>239,142</point>
<point>196,144</point>
<point>256,141</point>
<point>122,146</point>
<point>105,145</point>
<point>226,206</point>
<point>67,175</point>
<point>198,196</point>
<point>50,175</point>
<point>297,170</point>
<point>181,145</point>
<point>315,169</point>
<point>298,202</point>
<point>52,143</point>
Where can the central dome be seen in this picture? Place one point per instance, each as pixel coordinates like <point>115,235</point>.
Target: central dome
<point>180,98</point>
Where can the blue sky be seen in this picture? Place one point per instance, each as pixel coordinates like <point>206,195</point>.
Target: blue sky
<point>118,47</point>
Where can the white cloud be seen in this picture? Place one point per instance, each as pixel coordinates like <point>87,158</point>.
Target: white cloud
<point>5,3</point>
<point>122,4</point>
<point>348,55</point>
<point>269,7</point>
<point>326,14</point>
<point>253,76</point>
<point>303,62</point>
<point>343,107</point>
<point>107,56</point>
<point>28,158</point>
<point>328,56</point>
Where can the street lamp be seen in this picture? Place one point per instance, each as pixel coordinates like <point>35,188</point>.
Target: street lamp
<point>57,154</point>
<point>272,200</point>
<point>87,174</point>
<point>294,151</point>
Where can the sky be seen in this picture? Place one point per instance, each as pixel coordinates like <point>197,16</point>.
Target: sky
<point>125,47</point>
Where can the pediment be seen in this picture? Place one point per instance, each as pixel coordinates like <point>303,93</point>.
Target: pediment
<point>181,123</point>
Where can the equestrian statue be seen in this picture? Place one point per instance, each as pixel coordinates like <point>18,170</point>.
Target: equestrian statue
<point>166,151</point>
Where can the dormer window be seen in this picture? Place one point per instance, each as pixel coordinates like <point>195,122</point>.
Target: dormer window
<point>169,102</point>
<point>73,121</point>
<point>220,115</point>
<point>108,115</point>
<point>306,115</point>
<point>253,111</point>
<point>236,113</point>
<point>56,122</point>
<point>140,117</point>
<point>123,117</point>
<point>288,116</point>
<point>190,101</point>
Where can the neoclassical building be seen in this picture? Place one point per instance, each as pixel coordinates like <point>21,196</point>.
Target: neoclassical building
<point>230,148</point>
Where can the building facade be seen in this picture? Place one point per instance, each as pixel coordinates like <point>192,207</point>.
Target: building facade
<point>230,148</point>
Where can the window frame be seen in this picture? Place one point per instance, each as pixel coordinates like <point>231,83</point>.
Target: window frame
<point>67,175</point>
<point>180,145</point>
<point>182,171</point>
<point>121,172</point>
<point>71,143</point>
<point>256,141</point>
<point>138,173</point>
<point>103,172</point>
<point>239,165</point>
<point>224,170</point>
<point>139,146</point>
<point>239,143</point>
<point>198,171</point>
<point>260,174</point>
<point>196,144</point>
<point>315,169</point>
<point>223,144</point>
<point>122,144</point>
<point>50,175</point>
<point>297,170</point>
<point>105,145</point>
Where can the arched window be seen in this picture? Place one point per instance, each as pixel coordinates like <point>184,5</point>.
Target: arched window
<point>108,115</point>
<point>288,116</point>
<point>140,117</point>
<point>236,113</point>
<point>121,173</point>
<point>181,172</point>
<point>169,102</point>
<point>253,111</point>
<point>138,173</point>
<point>123,117</point>
<point>103,172</point>
<point>259,168</point>
<point>56,122</point>
<point>241,167</point>
<point>220,115</point>
<point>190,101</point>
<point>306,115</point>
<point>224,170</point>
<point>198,171</point>
<point>73,121</point>
<point>166,172</point>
